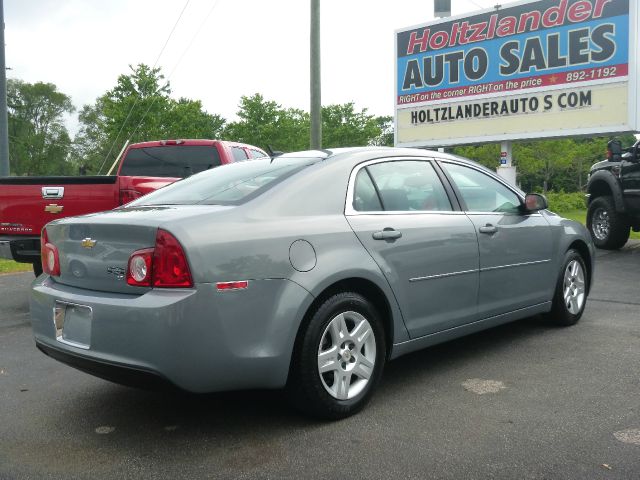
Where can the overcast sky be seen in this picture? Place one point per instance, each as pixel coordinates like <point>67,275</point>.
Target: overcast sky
<point>244,47</point>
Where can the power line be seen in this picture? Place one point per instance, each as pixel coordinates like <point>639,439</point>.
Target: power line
<point>204,21</point>
<point>146,83</point>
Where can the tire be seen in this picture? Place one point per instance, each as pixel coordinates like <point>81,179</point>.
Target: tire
<point>37,268</point>
<point>570,295</point>
<point>609,229</point>
<point>335,341</point>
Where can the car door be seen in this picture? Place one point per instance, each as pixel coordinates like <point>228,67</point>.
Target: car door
<point>515,247</point>
<point>425,246</point>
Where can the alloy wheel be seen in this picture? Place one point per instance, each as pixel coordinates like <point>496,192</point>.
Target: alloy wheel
<point>346,355</point>
<point>574,287</point>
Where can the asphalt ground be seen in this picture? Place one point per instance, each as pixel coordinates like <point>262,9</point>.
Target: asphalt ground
<point>521,401</point>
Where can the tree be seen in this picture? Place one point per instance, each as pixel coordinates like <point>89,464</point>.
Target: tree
<point>342,126</point>
<point>139,108</point>
<point>38,140</point>
<point>266,123</point>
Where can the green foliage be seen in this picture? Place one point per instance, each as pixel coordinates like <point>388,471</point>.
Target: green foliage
<point>342,126</point>
<point>563,202</point>
<point>544,165</point>
<point>38,140</point>
<point>137,109</point>
<point>266,123</point>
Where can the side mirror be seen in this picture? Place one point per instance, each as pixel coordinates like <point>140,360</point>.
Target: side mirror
<point>614,150</point>
<point>534,202</point>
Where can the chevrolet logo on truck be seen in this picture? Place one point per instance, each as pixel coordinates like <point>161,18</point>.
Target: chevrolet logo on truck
<point>53,208</point>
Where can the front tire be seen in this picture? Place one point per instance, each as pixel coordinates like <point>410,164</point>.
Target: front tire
<point>339,358</point>
<point>570,295</point>
<point>609,229</point>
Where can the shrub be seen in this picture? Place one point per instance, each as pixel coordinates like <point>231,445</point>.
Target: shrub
<point>563,202</point>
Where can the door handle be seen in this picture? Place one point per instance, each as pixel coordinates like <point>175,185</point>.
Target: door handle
<point>488,228</point>
<point>387,234</point>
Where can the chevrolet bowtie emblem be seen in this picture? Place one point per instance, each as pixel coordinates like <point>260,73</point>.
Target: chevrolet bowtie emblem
<point>53,208</point>
<point>88,243</point>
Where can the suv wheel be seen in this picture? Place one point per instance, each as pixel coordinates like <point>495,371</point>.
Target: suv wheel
<point>609,229</point>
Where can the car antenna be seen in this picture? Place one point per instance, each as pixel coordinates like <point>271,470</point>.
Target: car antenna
<point>273,153</point>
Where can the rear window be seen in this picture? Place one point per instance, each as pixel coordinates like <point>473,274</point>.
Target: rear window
<point>178,161</point>
<point>230,184</point>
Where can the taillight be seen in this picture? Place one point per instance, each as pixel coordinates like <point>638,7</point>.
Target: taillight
<point>164,266</point>
<point>170,267</point>
<point>127,196</point>
<point>140,268</point>
<point>49,255</point>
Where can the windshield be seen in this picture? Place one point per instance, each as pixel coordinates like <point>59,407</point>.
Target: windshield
<point>178,161</point>
<point>231,184</point>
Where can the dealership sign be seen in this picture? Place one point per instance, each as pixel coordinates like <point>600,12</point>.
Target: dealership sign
<point>533,69</point>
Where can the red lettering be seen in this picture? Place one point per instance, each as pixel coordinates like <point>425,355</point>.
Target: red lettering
<point>463,33</point>
<point>438,40</point>
<point>597,9</point>
<point>414,41</point>
<point>579,11</point>
<point>534,16</point>
<point>492,26</point>
<point>507,26</point>
<point>476,32</point>
<point>454,34</point>
<point>554,16</point>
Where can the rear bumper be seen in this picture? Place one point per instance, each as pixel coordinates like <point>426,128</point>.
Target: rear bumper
<point>20,248</point>
<point>118,373</point>
<point>199,339</point>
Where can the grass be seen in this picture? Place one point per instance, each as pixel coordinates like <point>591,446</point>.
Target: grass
<point>581,216</point>
<point>9,266</point>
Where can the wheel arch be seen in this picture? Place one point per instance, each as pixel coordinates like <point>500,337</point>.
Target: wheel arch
<point>365,287</point>
<point>603,184</point>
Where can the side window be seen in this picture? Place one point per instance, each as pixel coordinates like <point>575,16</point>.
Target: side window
<point>365,197</point>
<point>258,154</point>
<point>482,193</point>
<point>238,154</point>
<point>410,185</point>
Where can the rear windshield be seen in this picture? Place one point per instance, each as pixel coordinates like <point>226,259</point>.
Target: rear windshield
<point>179,161</point>
<point>231,184</point>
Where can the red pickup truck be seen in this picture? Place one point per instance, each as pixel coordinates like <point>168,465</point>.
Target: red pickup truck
<point>28,203</point>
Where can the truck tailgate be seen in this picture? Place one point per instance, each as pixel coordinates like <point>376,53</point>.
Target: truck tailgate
<point>28,203</point>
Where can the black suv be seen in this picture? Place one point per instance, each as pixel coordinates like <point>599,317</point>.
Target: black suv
<point>613,196</point>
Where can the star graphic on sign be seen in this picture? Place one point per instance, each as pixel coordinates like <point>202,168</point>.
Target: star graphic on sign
<point>553,79</point>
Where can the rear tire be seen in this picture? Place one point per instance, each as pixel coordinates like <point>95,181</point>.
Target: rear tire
<point>570,295</point>
<point>609,229</point>
<point>37,268</point>
<point>338,359</point>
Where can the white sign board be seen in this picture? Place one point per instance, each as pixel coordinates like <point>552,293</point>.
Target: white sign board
<point>532,69</point>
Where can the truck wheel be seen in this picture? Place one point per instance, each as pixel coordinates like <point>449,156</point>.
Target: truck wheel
<point>609,229</point>
<point>37,268</point>
<point>339,358</point>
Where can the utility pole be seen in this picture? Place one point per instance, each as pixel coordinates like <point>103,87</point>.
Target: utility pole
<point>316,102</point>
<point>4,127</point>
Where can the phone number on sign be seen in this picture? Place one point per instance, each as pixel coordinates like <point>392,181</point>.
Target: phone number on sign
<point>593,74</point>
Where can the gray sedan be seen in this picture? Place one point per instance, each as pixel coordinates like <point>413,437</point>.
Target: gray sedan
<point>307,271</point>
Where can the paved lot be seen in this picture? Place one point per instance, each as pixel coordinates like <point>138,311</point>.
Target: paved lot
<point>524,401</point>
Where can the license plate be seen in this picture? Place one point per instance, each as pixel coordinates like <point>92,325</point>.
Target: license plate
<point>73,324</point>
